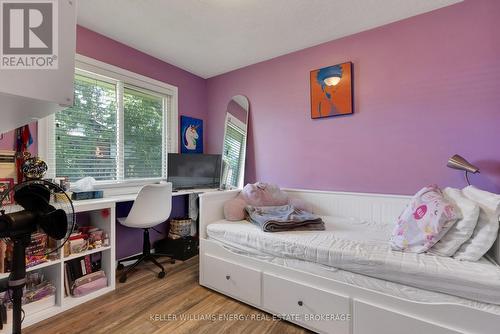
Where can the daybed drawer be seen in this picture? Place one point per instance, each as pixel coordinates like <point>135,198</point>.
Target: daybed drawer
<point>370,319</point>
<point>318,309</point>
<point>230,278</point>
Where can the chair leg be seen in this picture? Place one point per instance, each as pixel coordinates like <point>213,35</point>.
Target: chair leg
<point>120,265</point>
<point>146,256</point>
<point>123,276</point>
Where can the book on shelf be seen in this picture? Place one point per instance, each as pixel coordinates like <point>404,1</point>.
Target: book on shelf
<point>88,264</point>
<point>75,269</point>
<point>37,252</point>
<point>67,283</point>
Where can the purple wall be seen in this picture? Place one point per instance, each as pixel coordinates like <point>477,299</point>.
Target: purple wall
<point>424,88</point>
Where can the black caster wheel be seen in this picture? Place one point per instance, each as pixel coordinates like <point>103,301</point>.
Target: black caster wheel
<point>120,266</point>
<point>123,279</point>
<point>172,261</point>
<point>161,274</point>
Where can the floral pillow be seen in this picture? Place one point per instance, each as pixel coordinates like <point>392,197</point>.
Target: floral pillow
<point>424,221</point>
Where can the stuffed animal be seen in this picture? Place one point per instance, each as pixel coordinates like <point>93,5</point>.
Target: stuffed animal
<point>260,194</point>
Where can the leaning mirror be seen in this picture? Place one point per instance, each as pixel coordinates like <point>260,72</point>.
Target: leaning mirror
<point>235,142</point>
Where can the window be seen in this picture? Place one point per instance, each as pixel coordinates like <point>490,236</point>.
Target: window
<point>119,128</point>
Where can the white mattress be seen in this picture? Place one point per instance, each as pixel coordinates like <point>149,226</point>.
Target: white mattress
<point>363,248</point>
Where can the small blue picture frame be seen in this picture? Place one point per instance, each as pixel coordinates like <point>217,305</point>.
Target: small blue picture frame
<point>191,135</point>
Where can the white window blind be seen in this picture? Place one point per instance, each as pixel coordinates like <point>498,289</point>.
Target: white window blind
<point>233,146</point>
<point>143,137</point>
<point>120,128</point>
<point>86,134</point>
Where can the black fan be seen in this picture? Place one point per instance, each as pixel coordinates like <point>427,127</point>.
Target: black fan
<point>39,205</point>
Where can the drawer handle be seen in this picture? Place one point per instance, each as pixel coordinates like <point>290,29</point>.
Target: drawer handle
<point>228,277</point>
<point>300,303</point>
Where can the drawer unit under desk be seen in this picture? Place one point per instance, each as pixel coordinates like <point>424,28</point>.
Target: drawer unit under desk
<point>238,281</point>
<point>321,310</point>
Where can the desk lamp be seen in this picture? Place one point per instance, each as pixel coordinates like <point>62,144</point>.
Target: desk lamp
<point>457,162</point>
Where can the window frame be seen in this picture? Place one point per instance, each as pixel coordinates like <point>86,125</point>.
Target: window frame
<point>122,78</point>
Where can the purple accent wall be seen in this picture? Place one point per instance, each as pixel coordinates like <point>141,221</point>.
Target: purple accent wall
<point>424,89</point>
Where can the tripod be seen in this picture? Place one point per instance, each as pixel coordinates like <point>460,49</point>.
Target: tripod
<point>17,279</point>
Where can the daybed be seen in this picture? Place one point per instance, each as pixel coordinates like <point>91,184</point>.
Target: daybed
<point>346,279</point>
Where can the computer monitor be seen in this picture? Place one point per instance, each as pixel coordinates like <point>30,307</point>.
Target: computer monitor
<point>187,171</point>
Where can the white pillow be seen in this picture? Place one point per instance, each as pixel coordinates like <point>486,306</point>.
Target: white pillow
<point>486,231</point>
<point>463,228</point>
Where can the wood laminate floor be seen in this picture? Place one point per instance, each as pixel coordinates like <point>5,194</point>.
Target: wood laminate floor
<point>176,304</point>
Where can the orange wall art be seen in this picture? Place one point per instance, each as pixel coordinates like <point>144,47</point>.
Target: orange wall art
<point>331,91</point>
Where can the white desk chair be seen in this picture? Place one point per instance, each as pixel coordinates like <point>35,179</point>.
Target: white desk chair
<point>152,207</point>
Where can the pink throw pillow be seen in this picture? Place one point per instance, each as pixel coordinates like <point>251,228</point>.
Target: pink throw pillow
<point>234,209</point>
<point>424,221</point>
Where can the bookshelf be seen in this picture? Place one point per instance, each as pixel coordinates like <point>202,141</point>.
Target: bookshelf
<point>99,214</point>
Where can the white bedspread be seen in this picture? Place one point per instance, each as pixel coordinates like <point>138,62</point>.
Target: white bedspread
<point>363,248</point>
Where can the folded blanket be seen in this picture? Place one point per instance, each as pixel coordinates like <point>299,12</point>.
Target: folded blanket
<point>284,218</point>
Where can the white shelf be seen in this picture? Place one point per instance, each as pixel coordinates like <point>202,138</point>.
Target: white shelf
<point>38,266</point>
<point>44,264</point>
<point>67,258</point>
<point>87,252</point>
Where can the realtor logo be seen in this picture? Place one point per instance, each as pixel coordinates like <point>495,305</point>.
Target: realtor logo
<point>28,34</point>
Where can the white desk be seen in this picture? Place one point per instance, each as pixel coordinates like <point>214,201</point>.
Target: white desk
<point>131,197</point>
